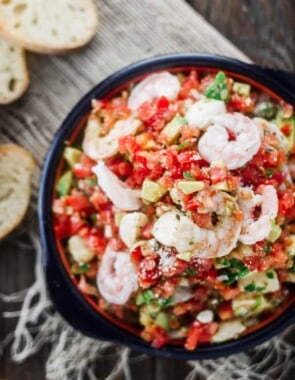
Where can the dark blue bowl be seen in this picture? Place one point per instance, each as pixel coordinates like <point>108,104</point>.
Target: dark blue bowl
<point>70,303</point>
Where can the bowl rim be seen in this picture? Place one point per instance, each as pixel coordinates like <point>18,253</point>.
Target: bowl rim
<point>66,297</point>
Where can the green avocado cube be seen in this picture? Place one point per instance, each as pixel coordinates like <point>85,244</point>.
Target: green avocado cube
<point>72,155</point>
<point>189,187</point>
<point>172,129</point>
<point>151,191</point>
<point>64,184</point>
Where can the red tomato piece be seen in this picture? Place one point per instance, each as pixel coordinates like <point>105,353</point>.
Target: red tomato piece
<point>193,335</point>
<point>225,311</point>
<point>191,82</point>
<point>84,168</point>
<point>78,202</point>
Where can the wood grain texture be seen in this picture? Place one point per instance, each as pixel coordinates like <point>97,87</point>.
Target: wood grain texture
<point>263,29</point>
<point>129,31</point>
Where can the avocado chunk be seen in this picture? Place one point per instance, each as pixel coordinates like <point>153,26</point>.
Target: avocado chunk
<point>151,191</point>
<point>72,155</point>
<point>281,122</point>
<point>64,183</point>
<point>189,187</point>
<point>242,88</point>
<point>172,129</point>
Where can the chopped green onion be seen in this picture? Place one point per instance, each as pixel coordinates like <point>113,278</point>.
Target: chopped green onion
<point>218,89</point>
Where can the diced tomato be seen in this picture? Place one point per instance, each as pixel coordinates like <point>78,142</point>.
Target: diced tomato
<point>286,201</point>
<point>228,293</point>
<point>76,223</point>
<point>193,335</point>
<point>202,266</point>
<point>202,220</point>
<point>162,102</point>
<point>240,103</point>
<point>191,82</point>
<point>148,272</point>
<point>96,241</point>
<point>79,202</point>
<point>159,337</point>
<point>98,198</point>
<point>121,168</point>
<point>146,111</point>
<point>177,267</point>
<point>208,330</point>
<point>61,226</point>
<point>128,145</point>
<point>225,311</point>
<point>83,169</point>
<point>188,133</point>
<point>217,175</point>
<point>136,255</point>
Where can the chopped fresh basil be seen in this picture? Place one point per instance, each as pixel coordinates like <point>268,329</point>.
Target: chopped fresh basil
<point>235,269</point>
<point>145,297</point>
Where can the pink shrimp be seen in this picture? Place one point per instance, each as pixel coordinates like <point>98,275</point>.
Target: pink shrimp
<point>216,144</point>
<point>116,277</point>
<point>256,230</point>
<point>154,86</point>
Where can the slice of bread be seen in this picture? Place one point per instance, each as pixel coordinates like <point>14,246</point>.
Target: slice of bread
<point>48,26</point>
<point>14,78</point>
<point>16,166</point>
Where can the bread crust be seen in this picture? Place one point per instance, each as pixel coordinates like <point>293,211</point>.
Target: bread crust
<point>19,40</point>
<point>26,159</point>
<point>25,83</point>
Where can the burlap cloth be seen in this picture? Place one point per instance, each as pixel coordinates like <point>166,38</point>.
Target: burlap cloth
<point>129,30</point>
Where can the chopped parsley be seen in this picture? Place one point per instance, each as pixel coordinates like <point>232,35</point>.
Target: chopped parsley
<point>80,269</point>
<point>187,175</point>
<point>267,248</point>
<point>252,287</point>
<point>190,272</point>
<point>145,297</point>
<point>234,270</point>
<point>270,274</point>
<point>164,302</point>
<point>268,173</point>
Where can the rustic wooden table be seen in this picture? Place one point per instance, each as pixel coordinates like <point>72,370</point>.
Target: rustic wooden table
<point>264,30</point>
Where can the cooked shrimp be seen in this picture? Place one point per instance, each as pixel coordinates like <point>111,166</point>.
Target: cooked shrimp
<point>201,113</point>
<point>116,277</point>
<point>122,196</point>
<point>256,230</point>
<point>154,86</point>
<point>102,147</point>
<point>266,127</point>
<point>129,228</point>
<point>217,145</point>
<point>174,229</point>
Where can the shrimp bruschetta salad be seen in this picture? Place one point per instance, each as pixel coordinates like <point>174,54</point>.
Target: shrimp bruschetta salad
<point>175,207</point>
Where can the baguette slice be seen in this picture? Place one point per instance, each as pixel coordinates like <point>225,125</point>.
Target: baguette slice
<point>48,26</point>
<point>14,78</point>
<point>16,166</point>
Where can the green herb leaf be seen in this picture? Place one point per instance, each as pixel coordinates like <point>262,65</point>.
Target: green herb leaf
<point>164,302</point>
<point>270,275</point>
<point>187,175</point>
<point>267,248</point>
<point>254,288</point>
<point>218,89</point>
<point>268,173</point>
<point>190,272</point>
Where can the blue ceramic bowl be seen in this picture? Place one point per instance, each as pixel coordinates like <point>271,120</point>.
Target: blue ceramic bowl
<point>70,303</point>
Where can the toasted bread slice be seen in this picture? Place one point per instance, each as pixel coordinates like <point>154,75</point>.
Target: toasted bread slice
<point>16,165</point>
<point>14,78</point>
<point>48,26</point>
